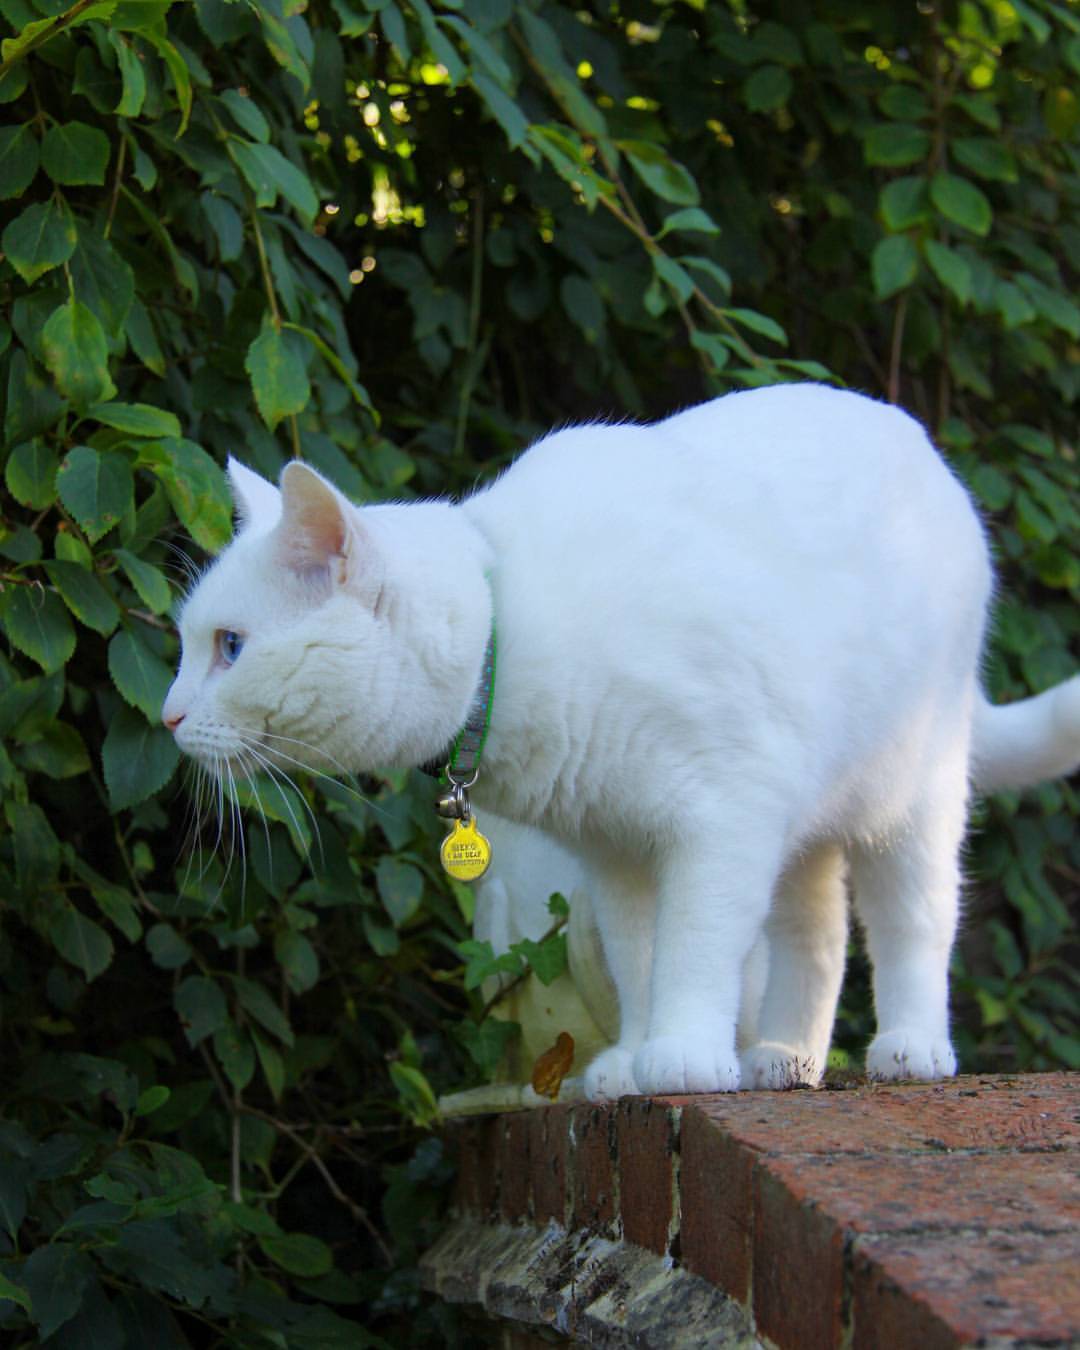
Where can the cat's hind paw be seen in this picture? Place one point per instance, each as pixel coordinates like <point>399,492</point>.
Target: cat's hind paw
<point>672,1064</point>
<point>610,1076</point>
<point>909,1054</point>
<point>772,1065</point>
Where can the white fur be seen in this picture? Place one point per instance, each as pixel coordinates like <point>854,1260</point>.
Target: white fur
<point>737,659</point>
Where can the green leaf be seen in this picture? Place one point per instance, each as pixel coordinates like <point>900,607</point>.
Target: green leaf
<point>247,115</point>
<point>178,70</point>
<point>36,622</point>
<point>255,1000</point>
<point>197,491</point>
<point>506,112</point>
<point>298,1253</point>
<point>76,354</point>
<point>271,1062</point>
<point>894,144</point>
<point>36,847</point>
<point>547,958</point>
<point>143,339</point>
<point>767,89</point>
<point>961,202</point>
<point>142,677</point>
<point>167,948</point>
<point>55,1276</point>
<point>150,583</point>
<point>984,156</point>
<point>710,269</point>
<point>19,159</point>
<point>41,238</point>
<point>400,886</point>
<point>660,173</point>
<point>674,276</point>
<point>137,419</point>
<point>73,153</point>
<point>132,73</point>
<point>153,1099</point>
<point>138,759</point>
<point>102,280</point>
<point>58,752</point>
<point>689,220</point>
<point>417,1098</point>
<point>270,173</point>
<point>904,202</point>
<point>14,1179</point>
<point>487,1042</point>
<point>84,595</point>
<point>14,1293</point>
<point>97,488</point>
<point>894,264</point>
<point>82,942</point>
<point>583,304</point>
<point>235,1054</point>
<point>949,268</point>
<point>758,323</point>
<point>275,366</point>
<point>30,474</point>
<point>298,960</point>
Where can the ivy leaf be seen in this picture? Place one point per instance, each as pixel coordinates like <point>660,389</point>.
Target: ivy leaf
<point>97,488</point>
<point>73,153</point>
<point>20,155</point>
<point>82,942</point>
<point>77,354</point>
<point>41,238</point>
<point>137,759</point>
<point>961,202</point>
<point>275,366</point>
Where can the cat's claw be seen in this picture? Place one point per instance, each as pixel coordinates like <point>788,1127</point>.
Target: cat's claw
<point>610,1076</point>
<point>769,1064</point>
<point>909,1054</point>
<point>673,1064</point>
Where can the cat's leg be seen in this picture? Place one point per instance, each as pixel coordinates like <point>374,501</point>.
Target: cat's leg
<point>907,896</point>
<point>714,894</point>
<point>623,901</point>
<point>807,941</point>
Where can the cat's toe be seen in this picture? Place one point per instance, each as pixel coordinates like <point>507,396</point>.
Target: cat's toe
<point>769,1064</point>
<point>676,1064</point>
<point>610,1076</point>
<point>908,1053</point>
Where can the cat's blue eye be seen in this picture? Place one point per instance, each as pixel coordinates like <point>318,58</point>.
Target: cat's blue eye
<point>230,645</point>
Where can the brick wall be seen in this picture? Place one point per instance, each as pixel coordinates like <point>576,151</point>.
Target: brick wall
<point>891,1216</point>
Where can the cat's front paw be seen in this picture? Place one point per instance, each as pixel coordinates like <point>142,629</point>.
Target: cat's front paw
<point>674,1064</point>
<point>772,1065</point>
<point>610,1076</point>
<point>909,1054</point>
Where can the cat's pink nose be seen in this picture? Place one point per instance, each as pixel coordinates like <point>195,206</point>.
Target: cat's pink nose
<point>173,722</point>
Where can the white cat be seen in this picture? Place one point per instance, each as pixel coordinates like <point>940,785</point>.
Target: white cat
<point>738,661</point>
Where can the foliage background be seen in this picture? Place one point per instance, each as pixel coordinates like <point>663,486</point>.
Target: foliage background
<point>400,238</point>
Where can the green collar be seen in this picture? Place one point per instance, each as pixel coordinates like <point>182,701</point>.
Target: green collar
<point>460,762</point>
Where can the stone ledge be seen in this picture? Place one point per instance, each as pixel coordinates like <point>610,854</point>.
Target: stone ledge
<point>869,1218</point>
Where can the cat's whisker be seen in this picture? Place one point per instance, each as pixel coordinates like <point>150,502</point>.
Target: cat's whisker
<point>342,777</point>
<point>276,773</point>
<point>242,762</point>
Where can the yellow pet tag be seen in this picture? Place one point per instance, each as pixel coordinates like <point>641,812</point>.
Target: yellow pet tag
<point>465,853</point>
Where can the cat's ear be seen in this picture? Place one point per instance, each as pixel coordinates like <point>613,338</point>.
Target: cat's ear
<point>319,534</point>
<point>257,502</point>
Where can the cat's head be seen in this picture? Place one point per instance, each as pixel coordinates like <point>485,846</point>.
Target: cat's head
<point>282,631</point>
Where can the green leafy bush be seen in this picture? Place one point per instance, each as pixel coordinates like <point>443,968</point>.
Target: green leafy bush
<point>400,239</point>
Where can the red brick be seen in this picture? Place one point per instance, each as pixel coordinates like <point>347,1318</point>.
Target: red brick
<point>648,1137</point>
<point>472,1144</point>
<point>593,1198</point>
<point>548,1144</point>
<point>892,1191</point>
<point>717,1204</point>
<point>908,1290</point>
<point>963,1113</point>
<point>514,1166</point>
<point>798,1267</point>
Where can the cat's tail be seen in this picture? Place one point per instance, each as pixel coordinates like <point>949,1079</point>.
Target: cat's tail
<point>1017,744</point>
